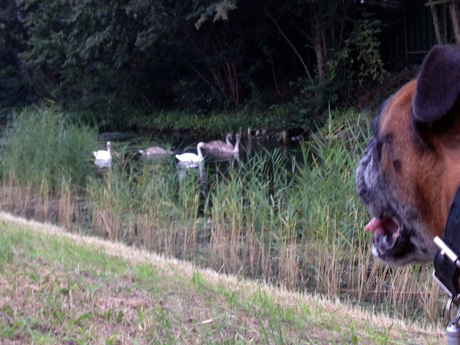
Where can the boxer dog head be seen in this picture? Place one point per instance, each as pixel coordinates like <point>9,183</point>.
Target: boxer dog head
<point>410,171</point>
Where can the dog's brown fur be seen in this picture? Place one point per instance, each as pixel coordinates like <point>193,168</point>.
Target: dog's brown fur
<point>411,168</point>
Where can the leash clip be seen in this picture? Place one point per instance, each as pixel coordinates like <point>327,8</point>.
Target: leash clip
<point>447,269</point>
<point>453,300</point>
<point>446,251</point>
<point>447,272</point>
<point>453,328</point>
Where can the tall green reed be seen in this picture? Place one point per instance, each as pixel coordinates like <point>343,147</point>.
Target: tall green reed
<point>151,205</point>
<point>44,156</point>
<point>41,146</point>
<point>297,225</point>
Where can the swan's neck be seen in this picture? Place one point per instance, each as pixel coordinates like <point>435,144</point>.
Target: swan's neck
<point>198,149</point>
<point>237,146</point>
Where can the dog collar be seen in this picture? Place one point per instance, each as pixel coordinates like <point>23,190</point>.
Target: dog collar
<point>447,261</point>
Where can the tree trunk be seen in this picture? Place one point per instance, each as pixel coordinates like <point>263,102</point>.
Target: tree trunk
<point>296,52</point>
<point>319,34</point>
<point>455,17</point>
<point>435,21</point>
<point>318,45</point>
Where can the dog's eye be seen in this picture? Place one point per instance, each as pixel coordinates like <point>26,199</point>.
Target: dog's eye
<point>383,143</point>
<point>378,149</point>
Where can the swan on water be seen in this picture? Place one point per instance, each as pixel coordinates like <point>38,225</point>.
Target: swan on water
<point>229,148</point>
<point>153,151</point>
<point>103,154</point>
<point>103,158</point>
<point>215,145</point>
<point>191,158</point>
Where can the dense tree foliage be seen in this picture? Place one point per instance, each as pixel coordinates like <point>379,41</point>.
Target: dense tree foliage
<point>14,84</point>
<point>292,56</point>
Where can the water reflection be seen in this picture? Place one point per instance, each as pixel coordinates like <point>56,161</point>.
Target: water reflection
<point>209,164</point>
<point>184,171</point>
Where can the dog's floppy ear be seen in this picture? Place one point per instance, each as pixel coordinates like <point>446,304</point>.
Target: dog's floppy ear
<point>438,85</point>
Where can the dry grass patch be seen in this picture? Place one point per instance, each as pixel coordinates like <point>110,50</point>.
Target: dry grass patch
<point>62,288</point>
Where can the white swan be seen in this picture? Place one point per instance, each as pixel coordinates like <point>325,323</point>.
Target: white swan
<point>153,151</point>
<point>191,158</point>
<point>103,158</point>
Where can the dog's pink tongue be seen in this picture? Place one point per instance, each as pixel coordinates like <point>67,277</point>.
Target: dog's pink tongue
<point>387,226</point>
<point>373,225</point>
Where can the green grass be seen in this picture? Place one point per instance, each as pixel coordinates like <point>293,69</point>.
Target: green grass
<point>218,124</point>
<point>58,288</point>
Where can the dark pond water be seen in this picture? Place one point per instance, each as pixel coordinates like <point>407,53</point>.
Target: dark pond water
<point>128,144</point>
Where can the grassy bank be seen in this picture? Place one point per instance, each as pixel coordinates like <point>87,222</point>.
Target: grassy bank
<point>62,288</point>
<point>217,124</point>
<point>295,225</point>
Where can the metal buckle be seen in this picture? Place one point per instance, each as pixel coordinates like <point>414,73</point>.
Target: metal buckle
<point>447,253</point>
<point>445,250</point>
<point>454,301</point>
<point>440,283</point>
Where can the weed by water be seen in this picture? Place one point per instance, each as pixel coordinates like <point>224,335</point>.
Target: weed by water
<point>45,164</point>
<point>298,227</point>
<point>42,147</point>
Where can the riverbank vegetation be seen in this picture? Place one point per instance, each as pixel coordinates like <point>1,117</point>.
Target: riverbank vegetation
<point>292,223</point>
<point>60,288</point>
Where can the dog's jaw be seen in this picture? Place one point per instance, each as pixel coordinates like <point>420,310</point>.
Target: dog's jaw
<point>400,236</point>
